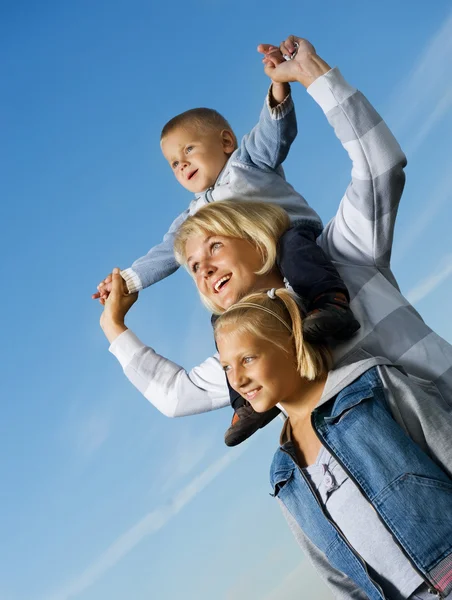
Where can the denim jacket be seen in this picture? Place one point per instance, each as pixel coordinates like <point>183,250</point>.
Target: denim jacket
<point>407,485</point>
<point>253,172</point>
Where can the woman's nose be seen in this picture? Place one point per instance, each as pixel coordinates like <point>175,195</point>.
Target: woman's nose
<point>206,269</point>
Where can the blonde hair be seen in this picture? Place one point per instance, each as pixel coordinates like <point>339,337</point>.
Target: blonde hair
<point>277,321</point>
<point>260,223</point>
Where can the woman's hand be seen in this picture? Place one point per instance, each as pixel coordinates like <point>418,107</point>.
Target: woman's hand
<point>117,305</point>
<point>304,66</point>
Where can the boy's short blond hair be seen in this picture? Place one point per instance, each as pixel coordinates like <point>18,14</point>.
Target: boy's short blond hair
<point>260,223</point>
<point>204,119</point>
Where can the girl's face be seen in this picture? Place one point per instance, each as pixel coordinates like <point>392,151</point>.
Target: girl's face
<point>224,268</point>
<point>257,369</point>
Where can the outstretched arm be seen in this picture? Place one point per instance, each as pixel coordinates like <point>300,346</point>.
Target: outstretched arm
<point>172,390</point>
<point>157,264</point>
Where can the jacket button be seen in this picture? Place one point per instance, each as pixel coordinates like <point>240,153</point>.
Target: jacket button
<point>328,479</point>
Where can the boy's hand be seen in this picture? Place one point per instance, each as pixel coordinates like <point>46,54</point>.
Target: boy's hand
<point>304,65</point>
<point>104,289</point>
<point>273,57</point>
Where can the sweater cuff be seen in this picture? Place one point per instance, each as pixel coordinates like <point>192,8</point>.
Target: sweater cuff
<point>132,280</point>
<point>125,346</point>
<point>280,110</point>
<point>330,90</point>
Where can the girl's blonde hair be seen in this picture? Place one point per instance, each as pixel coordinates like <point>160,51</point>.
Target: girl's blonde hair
<point>260,223</point>
<point>277,321</point>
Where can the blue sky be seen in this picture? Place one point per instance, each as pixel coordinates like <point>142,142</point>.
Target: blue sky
<point>103,497</point>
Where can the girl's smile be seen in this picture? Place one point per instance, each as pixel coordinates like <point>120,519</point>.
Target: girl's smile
<point>258,369</point>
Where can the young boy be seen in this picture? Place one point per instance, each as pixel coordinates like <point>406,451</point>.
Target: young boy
<point>206,159</point>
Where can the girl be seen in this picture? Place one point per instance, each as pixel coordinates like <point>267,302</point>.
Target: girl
<point>241,241</point>
<point>363,472</point>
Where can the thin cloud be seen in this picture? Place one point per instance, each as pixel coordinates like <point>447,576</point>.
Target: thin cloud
<point>425,95</point>
<point>148,525</point>
<point>430,283</point>
<point>420,103</point>
<point>188,450</point>
<point>440,196</point>
<point>442,107</point>
<point>92,433</point>
<point>85,432</point>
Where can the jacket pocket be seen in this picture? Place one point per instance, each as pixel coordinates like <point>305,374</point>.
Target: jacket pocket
<point>418,510</point>
<point>345,406</point>
<point>280,479</point>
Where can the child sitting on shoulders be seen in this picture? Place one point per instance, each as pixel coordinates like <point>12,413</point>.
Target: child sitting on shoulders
<point>202,151</point>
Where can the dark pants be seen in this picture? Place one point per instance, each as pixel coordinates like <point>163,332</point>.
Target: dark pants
<point>304,264</point>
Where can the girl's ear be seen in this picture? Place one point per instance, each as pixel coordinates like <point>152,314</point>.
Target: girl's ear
<point>228,141</point>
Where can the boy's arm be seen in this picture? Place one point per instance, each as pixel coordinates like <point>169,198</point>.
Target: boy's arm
<point>170,388</point>
<point>362,231</point>
<point>157,264</point>
<point>269,142</point>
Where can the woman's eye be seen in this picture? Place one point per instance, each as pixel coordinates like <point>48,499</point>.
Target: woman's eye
<point>216,245</point>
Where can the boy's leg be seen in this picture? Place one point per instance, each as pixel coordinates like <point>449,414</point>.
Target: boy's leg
<point>313,277</point>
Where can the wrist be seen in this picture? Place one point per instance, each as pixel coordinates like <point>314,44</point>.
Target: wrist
<point>278,93</point>
<point>311,68</point>
<point>112,328</point>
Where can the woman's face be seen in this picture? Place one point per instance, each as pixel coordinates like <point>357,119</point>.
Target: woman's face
<point>224,268</point>
<point>258,369</point>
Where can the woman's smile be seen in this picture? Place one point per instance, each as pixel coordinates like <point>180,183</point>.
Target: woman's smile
<point>220,284</point>
<point>225,268</point>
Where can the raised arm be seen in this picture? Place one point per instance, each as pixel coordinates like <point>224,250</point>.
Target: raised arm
<point>172,390</point>
<point>362,230</point>
<point>268,143</point>
<point>361,233</point>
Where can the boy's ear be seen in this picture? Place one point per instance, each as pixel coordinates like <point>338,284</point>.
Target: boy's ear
<point>228,140</point>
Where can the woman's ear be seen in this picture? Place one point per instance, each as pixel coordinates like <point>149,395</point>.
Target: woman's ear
<point>228,140</point>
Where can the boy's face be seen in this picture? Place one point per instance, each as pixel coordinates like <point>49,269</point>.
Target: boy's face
<point>197,158</point>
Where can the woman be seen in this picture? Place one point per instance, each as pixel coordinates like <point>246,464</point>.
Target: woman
<point>373,512</point>
<point>358,240</point>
